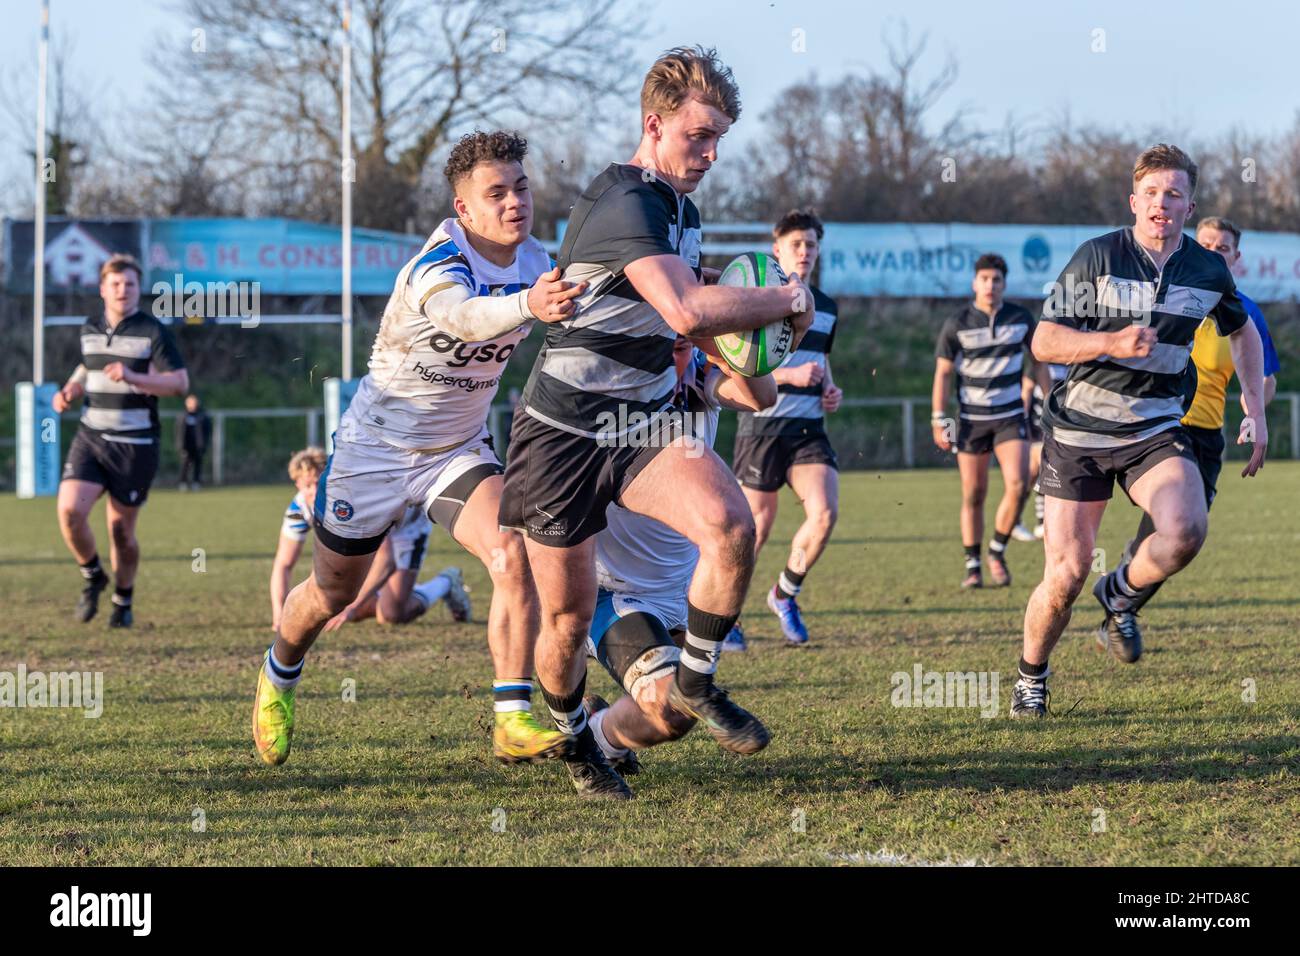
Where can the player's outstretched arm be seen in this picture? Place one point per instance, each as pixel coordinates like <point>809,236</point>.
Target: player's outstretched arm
<point>286,556</point>
<point>457,310</point>
<point>670,285</point>
<point>1248,356</point>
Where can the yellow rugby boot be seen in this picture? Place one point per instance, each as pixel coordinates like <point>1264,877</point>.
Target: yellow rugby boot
<point>272,719</point>
<point>519,738</point>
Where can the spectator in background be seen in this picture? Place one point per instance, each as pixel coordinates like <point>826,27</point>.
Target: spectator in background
<point>193,436</point>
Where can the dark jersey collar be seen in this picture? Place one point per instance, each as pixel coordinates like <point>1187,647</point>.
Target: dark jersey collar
<point>100,321</point>
<point>1144,254</point>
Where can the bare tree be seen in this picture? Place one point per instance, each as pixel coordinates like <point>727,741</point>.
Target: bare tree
<point>71,132</point>
<point>267,74</point>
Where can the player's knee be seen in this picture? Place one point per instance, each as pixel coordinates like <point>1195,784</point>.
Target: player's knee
<point>1186,534</point>
<point>123,535</point>
<point>508,563</point>
<point>568,628</point>
<point>71,516</point>
<point>823,518</point>
<point>1066,579</point>
<point>728,538</point>
<point>738,540</point>
<point>1015,489</point>
<point>973,497</point>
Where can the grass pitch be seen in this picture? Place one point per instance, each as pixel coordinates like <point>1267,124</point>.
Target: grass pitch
<point>1164,762</point>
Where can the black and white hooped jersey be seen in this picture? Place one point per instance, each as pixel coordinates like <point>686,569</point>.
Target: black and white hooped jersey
<point>1110,284</point>
<point>612,359</point>
<point>426,388</point>
<point>118,411</point>
<point>988,355</point>
<point>1056,373</point>
<point>639,555</point>
<point>796,404</point>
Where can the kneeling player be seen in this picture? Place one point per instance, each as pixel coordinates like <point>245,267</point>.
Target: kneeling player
<point>390,594</point>
<point>644,569</point>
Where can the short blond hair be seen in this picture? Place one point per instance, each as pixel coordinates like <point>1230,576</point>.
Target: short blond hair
<point>1164,156</point>
<point>308,460</point>
<point>683,71</point>
<point>120,262</point>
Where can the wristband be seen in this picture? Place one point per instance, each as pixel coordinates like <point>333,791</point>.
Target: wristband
<point>524,310</point>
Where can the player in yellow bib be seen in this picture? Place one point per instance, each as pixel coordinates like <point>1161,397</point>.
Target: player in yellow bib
<point>1203,423</point>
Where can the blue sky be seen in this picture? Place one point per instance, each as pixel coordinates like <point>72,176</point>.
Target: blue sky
<point>1186,65</point>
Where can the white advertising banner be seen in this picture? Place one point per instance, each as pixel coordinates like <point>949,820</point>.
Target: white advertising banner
<point>938,259</point>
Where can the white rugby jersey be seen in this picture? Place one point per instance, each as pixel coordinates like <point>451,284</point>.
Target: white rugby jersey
<point>639,555</point>
<point>427,388</point>
<point>297,520</point>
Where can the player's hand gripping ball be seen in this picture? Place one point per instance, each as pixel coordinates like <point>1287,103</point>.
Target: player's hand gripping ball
<point>758,351</point>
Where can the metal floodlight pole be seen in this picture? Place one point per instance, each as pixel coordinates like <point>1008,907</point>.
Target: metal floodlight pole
<point>38,241</point>
<point>347,189</point>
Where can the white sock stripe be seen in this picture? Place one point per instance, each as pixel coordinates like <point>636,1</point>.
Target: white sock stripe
<point>570,723</point>
<point>278,682</point>
<point>787,585</point>
<point>703,643</point>
<point>699,666</point>
<point>507,706</point>
<point>289,668</point>
<point>512,685</point>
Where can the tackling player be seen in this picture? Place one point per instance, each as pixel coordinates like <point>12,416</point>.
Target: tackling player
<point>644,570</point>
<point>1203,423</point>
<point>415,434</point>
<point>787,443</point>
<point>390,593</point>
<point>582,435</point>
<point>983,347</point>
<point>1123,316</point>
<point>128,360</point>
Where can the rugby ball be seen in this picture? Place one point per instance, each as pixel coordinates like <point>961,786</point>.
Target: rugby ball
<point>758,351</point>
